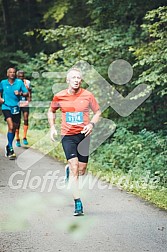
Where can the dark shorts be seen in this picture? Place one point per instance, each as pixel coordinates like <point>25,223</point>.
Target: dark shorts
<point>15,118</point>
<point>24,109</point>
<point>76,146</point>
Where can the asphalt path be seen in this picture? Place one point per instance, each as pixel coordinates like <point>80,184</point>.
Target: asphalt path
<point>36,212</point>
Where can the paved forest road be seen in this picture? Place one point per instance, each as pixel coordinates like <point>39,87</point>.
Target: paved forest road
<point>33,219</point>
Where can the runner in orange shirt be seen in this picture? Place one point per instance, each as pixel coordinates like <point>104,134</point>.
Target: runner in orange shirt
<point>75,104</point>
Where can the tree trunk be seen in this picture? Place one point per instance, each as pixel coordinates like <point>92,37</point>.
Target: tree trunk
<point>7,23</point>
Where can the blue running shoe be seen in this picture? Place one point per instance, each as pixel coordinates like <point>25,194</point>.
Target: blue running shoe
<point>78,208</point>
<point>25,142</point>
<point>18,144</point>
<point>67,173</point>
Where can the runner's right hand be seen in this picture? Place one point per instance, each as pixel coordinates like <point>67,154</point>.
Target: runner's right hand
<point>53,133</point>
<point>1,100</point>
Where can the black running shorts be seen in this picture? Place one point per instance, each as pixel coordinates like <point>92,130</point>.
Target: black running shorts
<point>76,146</point>
<point>24,109</point>
<point>15,118</point>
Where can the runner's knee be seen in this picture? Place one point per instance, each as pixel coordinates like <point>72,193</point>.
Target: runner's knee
<point>74,165</point>
<point>26,122</point>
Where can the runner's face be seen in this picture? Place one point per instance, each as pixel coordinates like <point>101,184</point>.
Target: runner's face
<point>20,76</point>
<point>11,73</point>
<point>74,80</point>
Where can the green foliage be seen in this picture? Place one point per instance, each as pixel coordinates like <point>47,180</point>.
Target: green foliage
<point>152,54</point>
<point>106,14</point>
<point>141,156</point>
<point>99,48</point>
<point>57,11</point>
<point>150,65</point>
<point>155,23</point>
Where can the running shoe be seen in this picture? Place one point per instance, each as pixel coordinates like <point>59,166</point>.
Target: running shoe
<point>78,208</point>
<point>9,152</point>
<point>18,144</point>
<point>25,142</point>
<point>67,173</point>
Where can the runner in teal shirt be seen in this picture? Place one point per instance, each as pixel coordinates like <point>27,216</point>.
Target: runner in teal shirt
<point>10,91</point>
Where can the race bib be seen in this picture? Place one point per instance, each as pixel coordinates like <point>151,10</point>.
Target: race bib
<point>74,118</point>
<point>15,110</point>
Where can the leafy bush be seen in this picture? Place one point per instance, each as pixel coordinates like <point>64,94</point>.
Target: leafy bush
<point>142,155</point>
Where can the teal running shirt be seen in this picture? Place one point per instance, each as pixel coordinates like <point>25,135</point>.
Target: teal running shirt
<point>7,91</point>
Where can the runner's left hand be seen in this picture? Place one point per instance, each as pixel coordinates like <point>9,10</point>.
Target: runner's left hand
<point>87,130</point>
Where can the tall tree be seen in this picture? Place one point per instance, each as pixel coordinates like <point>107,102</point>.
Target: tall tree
<point>7,23</point>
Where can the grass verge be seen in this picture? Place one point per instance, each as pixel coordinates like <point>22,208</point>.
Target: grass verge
<point>147,191</point>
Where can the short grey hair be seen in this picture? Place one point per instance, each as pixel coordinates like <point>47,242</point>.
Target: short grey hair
<point>74,69</point>
<point>20,72</point>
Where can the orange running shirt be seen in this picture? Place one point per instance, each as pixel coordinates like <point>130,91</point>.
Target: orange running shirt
<point>75,110</point>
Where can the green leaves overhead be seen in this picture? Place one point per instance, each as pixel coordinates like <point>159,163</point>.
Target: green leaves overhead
<point>152,54</point>
<point>156,22</point>
<point>96,47</point>
<point>57,11</point>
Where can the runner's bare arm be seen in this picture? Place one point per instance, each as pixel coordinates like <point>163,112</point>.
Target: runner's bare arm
<point>51,120</point>
<point>96,117</point>
<point>87,130</point>
<point>1,99</point>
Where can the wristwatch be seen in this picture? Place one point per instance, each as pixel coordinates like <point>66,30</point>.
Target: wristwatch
<point>92,124</point>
